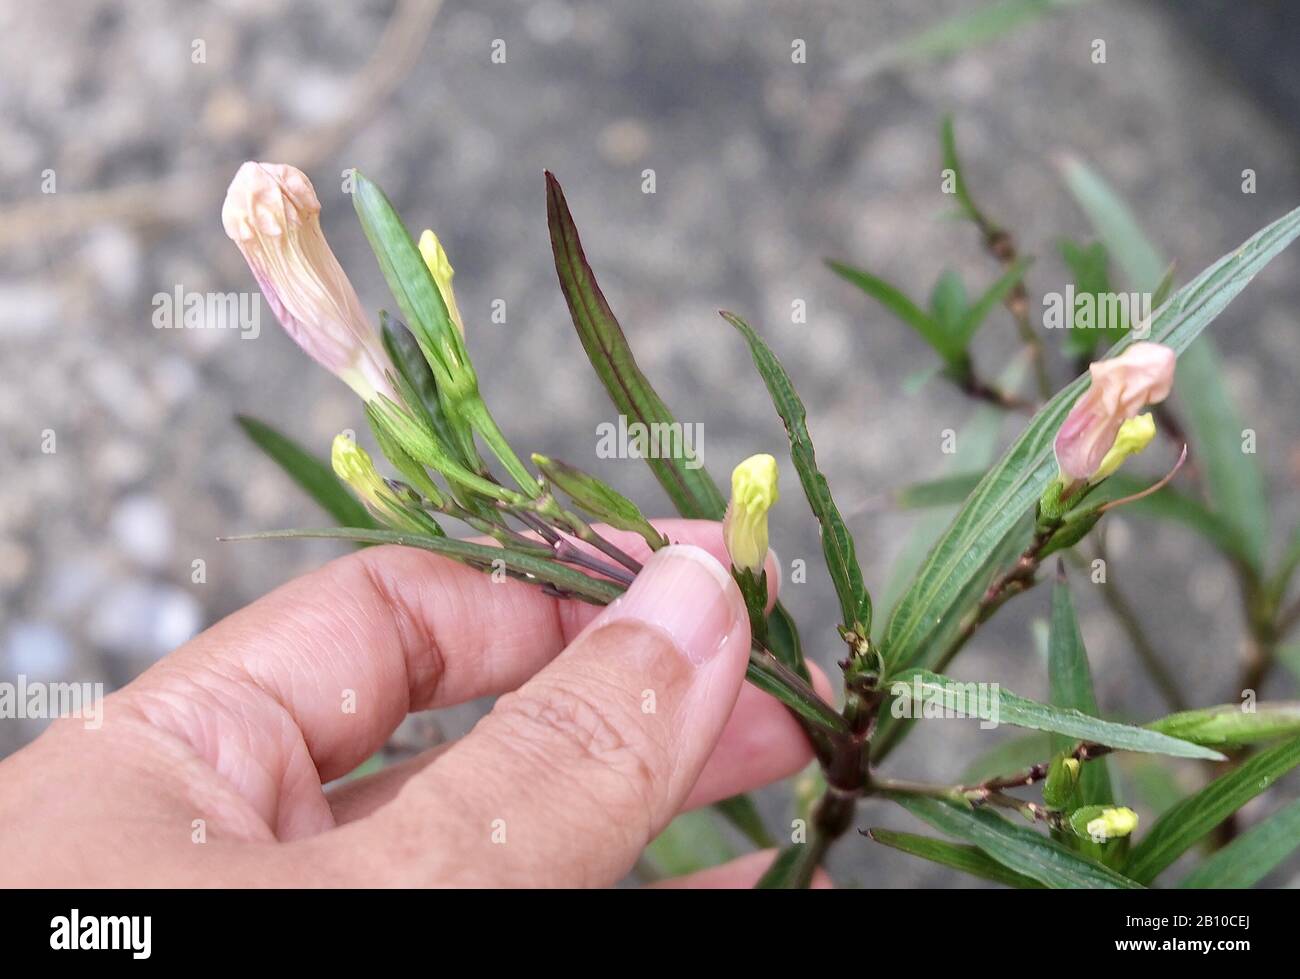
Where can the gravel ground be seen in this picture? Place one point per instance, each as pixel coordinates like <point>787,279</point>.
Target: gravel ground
<point>762,168</point>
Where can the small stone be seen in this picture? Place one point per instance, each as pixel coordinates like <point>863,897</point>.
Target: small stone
<point>139,618</point>
<point>142,526</point>
<point>37,650</point>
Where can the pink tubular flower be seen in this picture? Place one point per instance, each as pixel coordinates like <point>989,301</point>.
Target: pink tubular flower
<point>272,213</point>
<point>1121,387</point>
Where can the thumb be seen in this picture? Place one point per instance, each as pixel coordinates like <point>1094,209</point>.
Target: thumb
<point>569,777</point>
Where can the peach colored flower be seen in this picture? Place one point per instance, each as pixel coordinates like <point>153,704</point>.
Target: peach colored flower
<point>272,213</point>
<point>1121,387</point>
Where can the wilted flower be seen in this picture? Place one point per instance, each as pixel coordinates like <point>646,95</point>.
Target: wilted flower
<point>1121,387</point>
<point>272,213</point>
<point>435,257</point>
<point>744,530</point>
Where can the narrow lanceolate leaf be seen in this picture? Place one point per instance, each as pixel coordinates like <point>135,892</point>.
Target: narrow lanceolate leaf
<point>959,856</point>
<point>1232,725</point>
<point>1012,486</point>
<point>690,488</point>
<point>792,869</point>
<point>930,329</point>
<point>481,556</point>
<point>1016,847</point>
<point>690,843</point>
<point>985,23</point>
<point>314,475</point>
<point>963,698</point>
<point>741,812</point>
<point>1184,825</point>
<point>1070,680</point>
<point>404,270</point>
<point>597,498</point>
<point>1248,858</point>
<point>944,491</point>
<point>1116,225</point>
<point>993,296</point>
<point>1233,475</point>
<point>837,543</point>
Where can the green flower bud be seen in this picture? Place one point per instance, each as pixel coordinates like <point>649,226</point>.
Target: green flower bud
<point>1062,778</point>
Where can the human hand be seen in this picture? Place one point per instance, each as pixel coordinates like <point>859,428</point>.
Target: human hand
<point>209,768</point>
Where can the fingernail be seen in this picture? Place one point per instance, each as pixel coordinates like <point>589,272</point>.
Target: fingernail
<point>684,591</point>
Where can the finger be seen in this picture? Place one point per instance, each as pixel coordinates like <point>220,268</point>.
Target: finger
<point>306,683</point>
<point>360,797</point>
<point>567,779</point>
<point>761,743</point>
<point>743,872</point>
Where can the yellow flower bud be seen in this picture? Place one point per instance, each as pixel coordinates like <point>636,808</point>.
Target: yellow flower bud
<point>1112,824</point>
<point>1134,436</point>
<point>435,258</point>
<point>744,530</point>
<point>353,465</point>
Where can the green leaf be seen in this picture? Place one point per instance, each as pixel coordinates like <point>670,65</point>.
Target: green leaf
<point>989,22</point>
<point>792,869</point>
<point>948,302</point>
<point>740,811</point>
<point>1234,478</point>
<point>407,276</point>
<point>1248,858</point>
<point>690,488</point>
<point>1008,708</point>
<point>1181,827</point>
<point>894,300</point>
<point>314,475</point>
<point>481,556</point>
<point>690,843</point>
<point>837,543</point>
<point>944,491</point>
<point>948,140</point>
<point>1011,755</point>
<point>597,498</point>
<point>1231,726</point>
<point>1012,486</point>
<point>979,312</point>
<point>1016,847</point>
<point>1070,681</point>
<point>1088,265</point>
<point>964,857</point>
<point>1116,225</point>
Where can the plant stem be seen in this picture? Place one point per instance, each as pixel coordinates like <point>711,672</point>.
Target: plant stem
<point>1128,620</point>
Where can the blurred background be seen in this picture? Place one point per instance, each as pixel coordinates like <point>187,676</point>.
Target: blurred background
<point>764,165</point>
